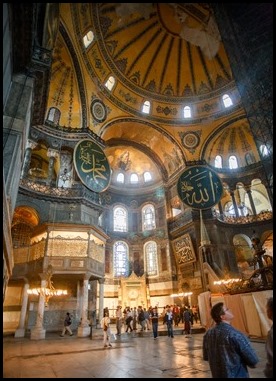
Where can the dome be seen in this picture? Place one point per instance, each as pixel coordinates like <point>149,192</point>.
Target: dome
<point>111,60</point>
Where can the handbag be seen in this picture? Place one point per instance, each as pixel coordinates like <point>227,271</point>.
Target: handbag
<point>129,319</point>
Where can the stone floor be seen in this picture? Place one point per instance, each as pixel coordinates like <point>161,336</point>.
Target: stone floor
<point>131,356</point>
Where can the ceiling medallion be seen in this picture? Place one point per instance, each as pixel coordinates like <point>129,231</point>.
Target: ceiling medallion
<point>190,140</point>
<point>98,110</point>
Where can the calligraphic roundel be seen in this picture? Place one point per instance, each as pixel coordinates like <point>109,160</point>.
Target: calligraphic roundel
<point>92,165</point>
<point>199,187</point>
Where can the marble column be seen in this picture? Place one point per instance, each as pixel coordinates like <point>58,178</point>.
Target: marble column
<point>234,203</point>
<point>92,301</point>
<point>52,154</point>
<point>20,331</point>
<point>168,256</point>
<point>221,211</point>
<point>101,298</point>
<point>249,193</point>
<point>79,299</point>
<point>84,329</point>
<point>27,158</point>
<point>38,332</point>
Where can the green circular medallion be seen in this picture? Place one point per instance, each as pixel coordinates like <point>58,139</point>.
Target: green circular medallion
<point>199,187</point>
<point>92,165</point>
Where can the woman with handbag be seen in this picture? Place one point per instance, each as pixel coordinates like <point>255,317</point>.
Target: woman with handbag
<point>129,319</point>
<point>105,324</point>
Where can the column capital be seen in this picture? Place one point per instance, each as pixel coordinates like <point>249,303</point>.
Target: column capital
<point>247,188</point>
<point>86,276</point>
<point>31,144</point>
<point>52,153</point>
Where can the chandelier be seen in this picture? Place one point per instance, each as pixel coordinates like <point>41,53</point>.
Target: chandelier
<point>230,283</point>
<point>49,290</point>
<point>181,295</point>
<point>65,176</point>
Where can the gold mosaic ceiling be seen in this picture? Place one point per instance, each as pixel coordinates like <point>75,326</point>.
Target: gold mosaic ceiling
<point>169,54</point>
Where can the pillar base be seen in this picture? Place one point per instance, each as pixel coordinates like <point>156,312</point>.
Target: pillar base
<point>38,333</point>
<point>84,331</point>
<point>20,332</point>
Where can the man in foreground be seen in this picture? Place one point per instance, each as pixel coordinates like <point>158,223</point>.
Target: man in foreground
<point>228,350</point>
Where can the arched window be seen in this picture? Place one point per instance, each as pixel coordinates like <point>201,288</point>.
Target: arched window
<point>110,83</point>
<point>148,217</point>
<point>120,259</point>
<point>227,101</point>
<point>53,115</point>
<point>229,209</point>
<point>120,178</point>
<point>150,251</point>
<point>147,177</point>
<point>187,112</point>
<point>263,150</point>
<point>146,107</point>
<point>134,178</point>
<point>249,158</point>
<point>233,163</point>
<point>88,39</point>
<point>218,161</point>
<point>120,219</point>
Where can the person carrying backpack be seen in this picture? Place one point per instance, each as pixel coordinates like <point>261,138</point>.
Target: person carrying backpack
<point>67,323</point>
<point>141,318</point>
<point>187,322</point>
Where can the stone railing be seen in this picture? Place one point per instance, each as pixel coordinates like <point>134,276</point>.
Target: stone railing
<point>263,216</point>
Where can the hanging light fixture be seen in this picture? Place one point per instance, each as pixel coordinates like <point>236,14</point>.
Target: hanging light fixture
<point>181,294</point>
<point>49,290</point>
<point>230,283</point>
<point>65,176</point>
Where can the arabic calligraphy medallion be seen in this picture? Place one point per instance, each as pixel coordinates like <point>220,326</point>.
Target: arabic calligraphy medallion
<point>199,187</point>
<point>91,165</point>
<point>98,110</point>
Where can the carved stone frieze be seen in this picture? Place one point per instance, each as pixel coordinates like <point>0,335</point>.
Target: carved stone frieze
<point>65,248</point>
<point>37,250</point>
<point>96,252</point>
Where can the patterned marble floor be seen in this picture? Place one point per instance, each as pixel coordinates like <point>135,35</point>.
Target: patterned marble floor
<point>131,356</point>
